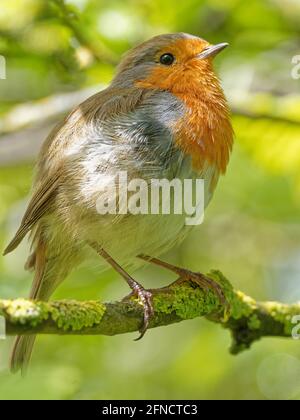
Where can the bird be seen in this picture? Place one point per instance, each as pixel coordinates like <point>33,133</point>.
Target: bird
<point>163,116</point>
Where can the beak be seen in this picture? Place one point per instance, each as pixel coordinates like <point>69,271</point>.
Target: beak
<point>212,51</point>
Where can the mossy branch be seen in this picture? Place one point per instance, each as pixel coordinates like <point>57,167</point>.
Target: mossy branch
<point>247,319</point>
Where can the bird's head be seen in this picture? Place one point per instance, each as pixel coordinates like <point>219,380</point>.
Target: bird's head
<point>172,62</point>
<point>182,65</point>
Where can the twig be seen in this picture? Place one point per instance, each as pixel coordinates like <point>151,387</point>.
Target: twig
<point>247,319</point>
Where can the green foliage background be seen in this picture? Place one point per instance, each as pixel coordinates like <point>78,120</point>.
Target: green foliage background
<point>251,230</point>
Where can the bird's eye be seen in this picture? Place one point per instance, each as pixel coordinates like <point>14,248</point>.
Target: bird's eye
<point>167,59</point>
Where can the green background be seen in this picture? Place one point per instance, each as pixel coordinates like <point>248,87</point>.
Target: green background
<point>251,230</point>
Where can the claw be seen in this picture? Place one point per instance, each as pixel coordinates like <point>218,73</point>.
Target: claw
<point>145,297</point>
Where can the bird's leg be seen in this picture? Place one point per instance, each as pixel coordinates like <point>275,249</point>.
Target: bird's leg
<point>138,290</point>
<point>185,275</point>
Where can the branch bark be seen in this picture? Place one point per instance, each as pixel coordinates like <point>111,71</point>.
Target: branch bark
<point>247,319</point>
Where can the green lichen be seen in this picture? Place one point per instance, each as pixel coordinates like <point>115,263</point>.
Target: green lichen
<point>282,314</point>
<point>67,315</point>
<point>254,322</point>
<point>227,290</point>
<point>189,301</point>
<point>242,306</point>
<point>186,301</point>
<point>74,316</point>
<point>24,312</point>
<point>225,285</point>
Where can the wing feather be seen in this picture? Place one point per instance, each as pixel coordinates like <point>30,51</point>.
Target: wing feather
<point>38,206</point>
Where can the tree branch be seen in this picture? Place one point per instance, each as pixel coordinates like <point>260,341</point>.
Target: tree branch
<point>247,319</point>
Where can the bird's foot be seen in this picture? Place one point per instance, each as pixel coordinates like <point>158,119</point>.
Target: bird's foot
<point>145,297</point>
<point>204,282</point>
<point>185,275</point>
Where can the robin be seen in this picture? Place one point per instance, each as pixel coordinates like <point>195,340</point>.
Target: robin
<point>163,116</point>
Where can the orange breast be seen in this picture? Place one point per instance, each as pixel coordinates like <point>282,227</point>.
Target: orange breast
<point>205,131</point>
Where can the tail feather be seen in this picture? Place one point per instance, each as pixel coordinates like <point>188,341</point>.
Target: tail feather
<point>21,353</point>
<point>49,273</point>
<point>42,288</point>
<point>51,266</point>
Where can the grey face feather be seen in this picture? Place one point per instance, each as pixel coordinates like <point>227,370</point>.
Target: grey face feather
<point>141,59</point>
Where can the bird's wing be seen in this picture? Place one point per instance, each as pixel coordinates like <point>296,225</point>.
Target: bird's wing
<point>38,206</point>
<point>49,170</point>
